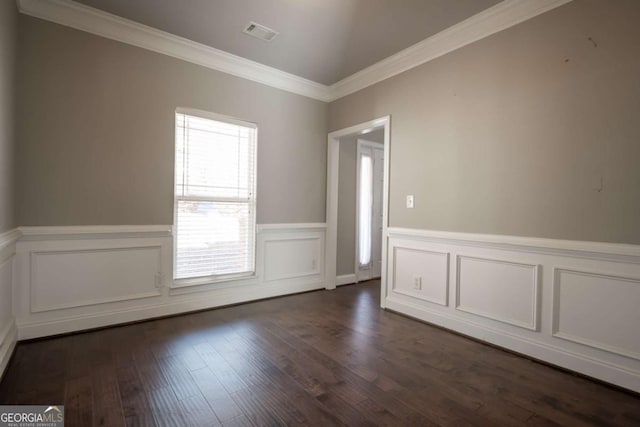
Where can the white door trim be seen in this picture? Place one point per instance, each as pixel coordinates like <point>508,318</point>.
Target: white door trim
<point>333,163</point>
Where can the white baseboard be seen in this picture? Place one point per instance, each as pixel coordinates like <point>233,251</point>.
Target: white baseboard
<point>543,298</point>
<point>75,278</point>
<point>345,279</point>
<point>228,296</point>
<point>556,355</point>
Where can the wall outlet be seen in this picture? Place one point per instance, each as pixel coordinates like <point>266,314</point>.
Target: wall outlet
<point>410,201</point>
<point>417,283</point>
<point>314,264</point>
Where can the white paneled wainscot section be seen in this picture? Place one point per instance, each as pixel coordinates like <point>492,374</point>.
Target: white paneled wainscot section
<point>572,304</point>
<point>8,332</point>
<point>75,278</point>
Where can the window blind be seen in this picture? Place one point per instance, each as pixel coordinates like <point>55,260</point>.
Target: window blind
<point>214,196</point>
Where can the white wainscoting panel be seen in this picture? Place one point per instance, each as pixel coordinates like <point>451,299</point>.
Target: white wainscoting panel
<point>8,333</point>
<point>572,304</point>
<point>75,278</point>
<point>286,258</point>
<point>598,310</point>
<point>291,253</point>
<point>499,290</point>
<point>430,269</point>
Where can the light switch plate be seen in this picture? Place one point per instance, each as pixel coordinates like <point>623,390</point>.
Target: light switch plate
<point>410,201</point>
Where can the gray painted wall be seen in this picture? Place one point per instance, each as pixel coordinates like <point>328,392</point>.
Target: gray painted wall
<point>347,183</point>
<point>8,33</point>
<point>346,207</point>
<point>96,132</point>
<point>510,135</point>
<point>513,134</point>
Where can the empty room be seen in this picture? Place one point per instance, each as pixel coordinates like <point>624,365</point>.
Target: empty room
<point>319,212</point>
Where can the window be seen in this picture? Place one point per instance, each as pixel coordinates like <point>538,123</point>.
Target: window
<point>365,209</point>
<point>215,197</point>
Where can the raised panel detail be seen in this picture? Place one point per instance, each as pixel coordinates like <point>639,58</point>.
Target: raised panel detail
<point>286,258</point>
<point>598,310</point>
<point>588,293</point>
<point>430,269</point>
<point>499,290</point>
<point>72,278</point>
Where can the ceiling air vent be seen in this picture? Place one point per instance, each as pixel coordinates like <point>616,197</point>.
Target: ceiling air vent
<point>260,32</point>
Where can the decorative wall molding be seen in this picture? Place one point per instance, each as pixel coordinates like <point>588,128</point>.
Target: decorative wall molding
<point>431,267</point>
<point>74,278</point>
<point>166,306</point>
<point>283,228</point>
<point>574,248</point>
<point>590,349</point>
<point>503,15</point>
<point>291,252</point>
<point>267,234</point>
<point>496,278</point>
<point>63,279</point>
<point>572,304</point>
<point>624,296</point>
<point>562,356</point>
<point>94,21</point>
<point>9,237</point>
<point>287,258</point>
<point>93,232</point>
<point>81,17</point>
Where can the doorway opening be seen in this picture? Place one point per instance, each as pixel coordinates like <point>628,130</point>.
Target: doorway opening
<point>357,204</point>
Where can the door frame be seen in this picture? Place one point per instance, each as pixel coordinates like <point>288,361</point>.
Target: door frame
<point>333,164</point>
<point>362,142</point>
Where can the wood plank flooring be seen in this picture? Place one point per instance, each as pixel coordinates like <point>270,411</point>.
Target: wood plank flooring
<point>321,358</point>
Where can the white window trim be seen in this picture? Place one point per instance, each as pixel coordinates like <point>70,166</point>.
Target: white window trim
<point>212,279</point>
<point>214,116</point>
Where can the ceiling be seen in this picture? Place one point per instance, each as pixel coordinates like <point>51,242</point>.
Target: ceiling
<point>320,40</point>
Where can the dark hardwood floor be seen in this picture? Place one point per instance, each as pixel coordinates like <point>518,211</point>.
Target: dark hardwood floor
<point>321,358</point>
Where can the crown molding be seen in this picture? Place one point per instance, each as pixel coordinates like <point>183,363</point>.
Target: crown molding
<point>490,21</point>
<point>91,20</point>
<point>497,18</point>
